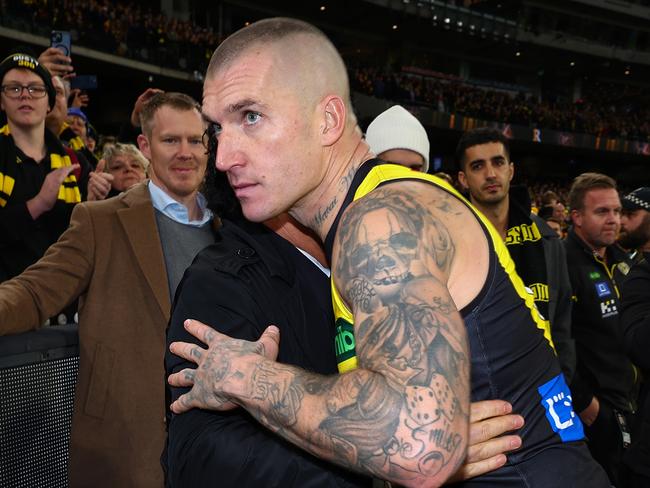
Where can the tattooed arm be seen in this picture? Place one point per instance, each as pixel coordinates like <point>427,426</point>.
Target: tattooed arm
<point>403,414</point>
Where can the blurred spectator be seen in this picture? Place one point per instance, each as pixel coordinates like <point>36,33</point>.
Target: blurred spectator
<point>635,224</point>
<point>550,198</point>
<point>78,99</point>
<point>57,63</point>
<point>78,122</point>
<point>121,167</point>
<point>546,213</point>
<point>55,122</point>
<point>485,170</point>
<point>130,130</point>
<point>396,136</point>
<point>91,138</point>
<point>604,384</point>
<point>105,142</point>
<point>39,189</point>
<point>75,133</point>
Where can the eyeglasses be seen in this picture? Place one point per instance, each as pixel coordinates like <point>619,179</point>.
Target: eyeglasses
<point>16,91</point>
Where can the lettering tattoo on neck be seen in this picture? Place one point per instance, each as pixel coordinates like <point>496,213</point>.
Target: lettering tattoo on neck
<point>323,214</point>
<point>346,181</point>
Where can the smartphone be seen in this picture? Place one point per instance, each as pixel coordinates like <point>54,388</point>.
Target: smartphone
<point>62,41</point>
<point>84,82</point>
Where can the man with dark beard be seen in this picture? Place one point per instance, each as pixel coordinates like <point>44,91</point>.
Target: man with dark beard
<point>635,321</point>
<point>635,224</point>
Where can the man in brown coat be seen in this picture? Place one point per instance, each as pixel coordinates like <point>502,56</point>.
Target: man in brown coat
<point>123,258</point>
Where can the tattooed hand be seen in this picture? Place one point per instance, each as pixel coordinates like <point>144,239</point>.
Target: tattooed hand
<point>221,369</point>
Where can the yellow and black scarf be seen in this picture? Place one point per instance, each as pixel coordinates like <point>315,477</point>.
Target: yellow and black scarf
<point>10,159</point>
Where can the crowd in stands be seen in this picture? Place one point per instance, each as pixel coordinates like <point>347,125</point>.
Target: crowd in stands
<point>598,112</point>
<point>122,28</point>
<point>139,32</point>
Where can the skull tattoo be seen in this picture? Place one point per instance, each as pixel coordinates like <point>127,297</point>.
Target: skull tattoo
<point>384,252</point>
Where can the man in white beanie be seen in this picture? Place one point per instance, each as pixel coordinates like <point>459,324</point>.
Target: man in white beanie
<point>396,136</point>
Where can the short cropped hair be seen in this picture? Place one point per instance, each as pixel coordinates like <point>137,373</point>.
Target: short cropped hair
<point>175,100</point>
<point>266,31</point>
<point>586,182</point>
<point>119,149</point>
<point>476,137</point>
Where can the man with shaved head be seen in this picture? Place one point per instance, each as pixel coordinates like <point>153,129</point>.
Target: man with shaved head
<point>410,260</point>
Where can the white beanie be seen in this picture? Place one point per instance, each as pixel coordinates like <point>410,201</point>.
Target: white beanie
<point>397,128</point>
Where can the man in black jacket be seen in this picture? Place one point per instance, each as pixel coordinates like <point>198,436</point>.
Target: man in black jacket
<point>604,383</point>
<point>485,171</point>
<point>635,320</point>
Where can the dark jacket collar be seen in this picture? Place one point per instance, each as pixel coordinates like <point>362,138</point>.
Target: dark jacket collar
<point>256,241</point>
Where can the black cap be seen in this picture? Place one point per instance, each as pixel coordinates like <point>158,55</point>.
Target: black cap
<point>26,61</point>
<point>638,199</point>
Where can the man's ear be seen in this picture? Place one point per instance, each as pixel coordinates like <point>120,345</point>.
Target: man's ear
<point>512,170</point>
<point>462,180</point>
<point>334,118</point>
<point>143,144</point>
<point>576,218</point>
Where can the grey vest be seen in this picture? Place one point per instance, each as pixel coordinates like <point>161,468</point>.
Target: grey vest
<point>181,243</point>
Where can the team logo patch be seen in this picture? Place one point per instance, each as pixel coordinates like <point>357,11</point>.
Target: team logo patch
<point>602,288</point>
<point>608,308</point>
<point>556,400</point>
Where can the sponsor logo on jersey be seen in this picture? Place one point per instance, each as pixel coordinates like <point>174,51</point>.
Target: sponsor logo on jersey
<point>608,308</point>
<point>594,275</point>
<point>556,400</point>
<point>602,288</point>
<point>344,341</point>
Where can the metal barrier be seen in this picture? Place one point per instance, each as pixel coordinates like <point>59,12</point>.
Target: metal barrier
<point>38,373</point>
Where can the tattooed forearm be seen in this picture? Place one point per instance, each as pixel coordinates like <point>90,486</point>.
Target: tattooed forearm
<point>273,386</point>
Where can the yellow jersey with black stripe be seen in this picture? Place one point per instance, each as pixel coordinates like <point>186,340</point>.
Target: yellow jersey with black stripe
<point>512,354</point>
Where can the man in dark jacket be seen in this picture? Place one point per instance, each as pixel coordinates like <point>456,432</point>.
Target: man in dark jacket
<point>485,171</point>
<point>635,320</point>
<point>604,383</point>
